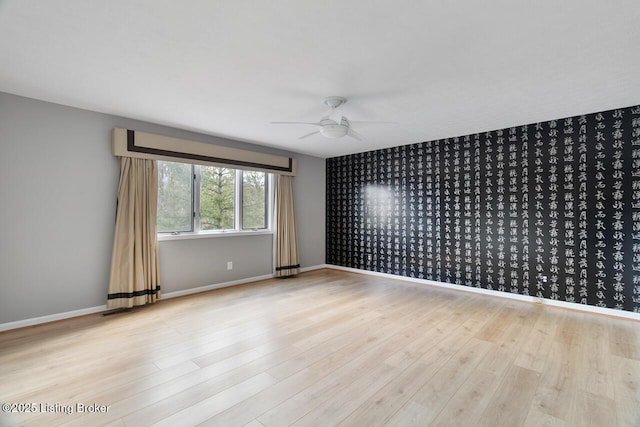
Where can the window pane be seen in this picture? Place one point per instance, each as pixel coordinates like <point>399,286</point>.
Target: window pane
<point>217,196</point>
<point>254,199</point>
<point>174,197</point>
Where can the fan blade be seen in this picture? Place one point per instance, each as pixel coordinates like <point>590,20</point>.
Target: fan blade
<point>294,123</point>
<point>366,122</point>
<point>355,135</point>
<point>309,134</point>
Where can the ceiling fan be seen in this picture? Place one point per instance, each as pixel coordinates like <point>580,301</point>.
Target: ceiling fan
<point>335,125</point>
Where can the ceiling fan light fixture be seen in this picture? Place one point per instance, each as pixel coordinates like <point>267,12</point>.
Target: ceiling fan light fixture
<point>334,130</point>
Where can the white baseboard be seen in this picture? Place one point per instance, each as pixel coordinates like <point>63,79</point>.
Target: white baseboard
<point>214,286</point>
<point>75,313</point>
<point>314,267</point>
<point>50,318</point>
<point>494,293</point>
<point>232,283</point>
<point>562,304</point>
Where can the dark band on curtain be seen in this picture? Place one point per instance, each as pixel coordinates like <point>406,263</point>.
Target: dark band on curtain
<point>131,146</point>
<point>134,294</point>
<point>287,267</point>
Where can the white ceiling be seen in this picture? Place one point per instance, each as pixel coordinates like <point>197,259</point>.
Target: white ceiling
<point>229,67</point>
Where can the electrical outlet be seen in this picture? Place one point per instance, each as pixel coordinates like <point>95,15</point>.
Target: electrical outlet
<point>229,265</point>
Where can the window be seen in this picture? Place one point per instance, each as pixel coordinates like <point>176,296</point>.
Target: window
<point>217,198</point>
<point>175,200</point>
<point>193,199</point>
<point>254,199</point>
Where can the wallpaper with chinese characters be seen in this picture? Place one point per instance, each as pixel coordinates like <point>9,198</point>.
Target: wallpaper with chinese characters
<point>549,209</point>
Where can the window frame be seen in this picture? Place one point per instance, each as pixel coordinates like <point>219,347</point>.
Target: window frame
<point>238,230</point>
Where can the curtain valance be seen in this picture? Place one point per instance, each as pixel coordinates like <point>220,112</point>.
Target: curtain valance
<point>131,143</point>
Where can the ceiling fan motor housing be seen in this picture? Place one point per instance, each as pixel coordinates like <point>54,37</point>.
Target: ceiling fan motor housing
<point>334,101</point>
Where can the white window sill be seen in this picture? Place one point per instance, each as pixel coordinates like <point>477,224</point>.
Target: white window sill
<point>211,234</point>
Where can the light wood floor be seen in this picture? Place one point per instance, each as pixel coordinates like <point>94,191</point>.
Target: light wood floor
<point>329,348</point>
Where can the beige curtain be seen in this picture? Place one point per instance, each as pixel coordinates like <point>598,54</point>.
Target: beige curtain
<point>286,244</point>
<point>134,262</point>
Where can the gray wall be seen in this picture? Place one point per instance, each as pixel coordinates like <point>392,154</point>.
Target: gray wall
<point>58,184</point>
<point>188,264</point>
<point>309,189</point>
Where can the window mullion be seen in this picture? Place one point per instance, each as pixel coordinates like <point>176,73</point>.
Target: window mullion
<point>268,200</point>
<point>196,198</point>
<point>238,200</point>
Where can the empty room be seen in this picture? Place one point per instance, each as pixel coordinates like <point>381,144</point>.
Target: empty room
<point>319,213</point>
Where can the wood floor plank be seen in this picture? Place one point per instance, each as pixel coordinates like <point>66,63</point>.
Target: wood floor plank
<point>593,410</point>
<point>115,393</point>
<point>468,403</point>
<point>436,392</point>
<point>514,328</point>
<point>624,339</point>
<point>258,404</point>
<point>349,396</point>
<point>389,399</point>
<point>563,372</point>
<point>626,381</point>
<point>328,348</point>
<point>328,351</point>
<point>511,403</point>
<point>436,346</point>
<point>540,419</point>
<point>534,351</point>
<point>177,395</point>
<point>596,358</point>
<point>209,407</point>
<point>411,415</point>
<point>356,365</point>
<point>295,383</point>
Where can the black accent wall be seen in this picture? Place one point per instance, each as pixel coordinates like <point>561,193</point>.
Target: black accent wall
<point>549,209</point>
